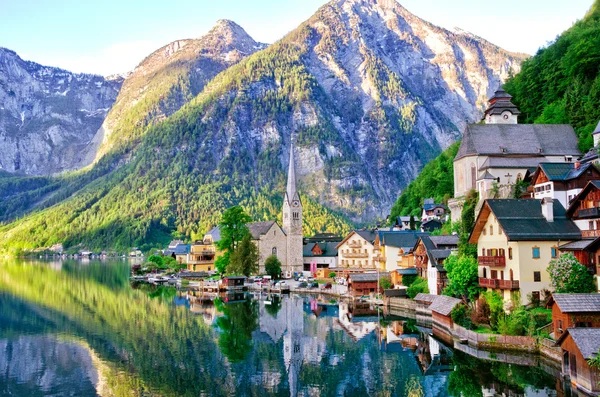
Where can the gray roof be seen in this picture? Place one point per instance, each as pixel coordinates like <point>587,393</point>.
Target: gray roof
<point>597,130</point>
<point>578,245</point>
<point>368,235</point>
<point>215,233</point>
<point>522,220</point>
<point>368,277</point>
<point>436,254</point>
<point>440,253</point>
<point>587,340</point>
<point>444,304</point>
<point>518,139</point>
<point>259,228</point>
<point>563,171</point>
<point>407,271</point>
<point>401,239</point>
<point>425,297</point>
<point>329,249</point>
<point>578,303</point>
<point>444,241</point>
<point>529,163</point>
<point>180,249</point>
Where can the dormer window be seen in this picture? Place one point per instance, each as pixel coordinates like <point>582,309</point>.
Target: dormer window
<point>569,159</point>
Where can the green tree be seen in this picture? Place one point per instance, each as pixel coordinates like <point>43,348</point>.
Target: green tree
<point>236,325</point>
<point>385,283</point>
<point>413,225</point>
<point>418,286</point>
<point>273,266</point>
<point>467,223</point>
<point>233,230</point>
<point>569,276</point>
<point>244,259</point>
<point>463,281</point>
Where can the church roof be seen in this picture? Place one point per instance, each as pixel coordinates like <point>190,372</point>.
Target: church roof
<point>597,130</point>
<point>291,190</point>
<point>530,163</point>
<point>258,229</point>
<point>518,140</point>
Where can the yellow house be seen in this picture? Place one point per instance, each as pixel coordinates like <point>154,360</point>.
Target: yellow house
<point>516,240</point>
<point>201,256</point>
<point>360,250</point>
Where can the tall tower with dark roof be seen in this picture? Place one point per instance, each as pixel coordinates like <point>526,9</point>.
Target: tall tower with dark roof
<point>501,110</point>
<point>292,221</point>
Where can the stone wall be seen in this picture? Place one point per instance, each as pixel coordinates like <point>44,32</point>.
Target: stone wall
<point>272,239</point>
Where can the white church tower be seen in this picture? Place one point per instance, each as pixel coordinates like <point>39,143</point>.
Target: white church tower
<point>292,221</point>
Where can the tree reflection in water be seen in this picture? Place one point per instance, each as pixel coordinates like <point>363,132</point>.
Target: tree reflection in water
<point>236,325</point>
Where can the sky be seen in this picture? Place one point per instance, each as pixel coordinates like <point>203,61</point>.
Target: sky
<point>113,36</point>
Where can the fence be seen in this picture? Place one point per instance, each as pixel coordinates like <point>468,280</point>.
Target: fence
<point>495,342</point>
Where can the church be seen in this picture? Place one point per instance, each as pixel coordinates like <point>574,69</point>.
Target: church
<point>286,243</point>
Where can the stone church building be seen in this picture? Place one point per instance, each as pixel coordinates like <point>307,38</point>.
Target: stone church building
<point>285,243</point>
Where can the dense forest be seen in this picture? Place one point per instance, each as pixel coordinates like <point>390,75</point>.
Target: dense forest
<point>561,83</point>
<point>435,180</point>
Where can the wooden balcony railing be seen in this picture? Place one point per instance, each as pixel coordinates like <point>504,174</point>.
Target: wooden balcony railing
<point>500,284</point>
<point>354,245</point>
<point>590,233</point>
<point>492,261</point>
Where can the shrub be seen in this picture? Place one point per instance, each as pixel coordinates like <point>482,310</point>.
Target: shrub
<point>461,315</point>
<point>417,287</point>
<point>481,314</point>
<point>409,279</point>
<point>332,275</point>
<point>519,323</point>
<point>385,283</point>
<point>496,303</point>
<point>570,276</point>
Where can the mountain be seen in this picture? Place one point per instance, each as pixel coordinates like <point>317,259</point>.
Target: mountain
<point>367,91</point>
<point>167,79</point>
<point>48,115</point>
<point>561,83</point>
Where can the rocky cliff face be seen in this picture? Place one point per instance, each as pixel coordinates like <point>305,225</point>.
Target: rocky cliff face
<point>48,115</point>
<point>167,79</point>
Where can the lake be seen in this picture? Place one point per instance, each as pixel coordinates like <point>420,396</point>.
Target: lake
<point>82,329</point>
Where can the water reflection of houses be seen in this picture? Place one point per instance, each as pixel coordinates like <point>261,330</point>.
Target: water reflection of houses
<point>357,319</point>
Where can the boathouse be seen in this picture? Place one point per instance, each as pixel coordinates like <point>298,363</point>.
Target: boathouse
<point>233,282</point>
<point>364,283</point>
<point>579,345</point>
<point>441,310</point>
<point>574,311</point>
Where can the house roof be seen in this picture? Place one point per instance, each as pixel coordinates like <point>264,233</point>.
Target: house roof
<point>581,245</point>
<point>522,220</point>
<point>577,303</point>
<point>444,304</point>
<point>215,233</point>
<point>258,229</point>
<point>329,249</point>
<point>180,249</point>
<point>591,185</point>
<point>429,204</point>
<point>561,171</point>
<point>320,237</point>
<point>401,239</point>
<point>436,253</point>
<point>587,340</point>
<point>443,241</point>
<point>507,140</point>
<point>407,271</point>
<point>597,130</point>
<point>368,277</point>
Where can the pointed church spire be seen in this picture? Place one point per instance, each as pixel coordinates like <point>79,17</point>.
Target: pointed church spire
<point>291,182</point>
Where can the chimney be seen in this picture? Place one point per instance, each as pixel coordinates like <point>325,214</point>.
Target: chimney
<point>548,209</point>
<point>577,165</point>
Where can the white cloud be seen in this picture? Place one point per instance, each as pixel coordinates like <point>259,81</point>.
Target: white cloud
<point>118,58</point>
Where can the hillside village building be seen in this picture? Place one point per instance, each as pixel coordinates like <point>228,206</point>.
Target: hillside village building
<point>502,152</point>
<point>359,250</point>
<point>430,253</point>
<point>516,240</point>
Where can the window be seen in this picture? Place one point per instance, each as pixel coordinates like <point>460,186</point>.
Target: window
<point>559,324</point>
<point>519,177</point>
<point>499,230</point>
<point>501,252</point>
<point>274,232</point>
<point>591,225</point>
<point>295,215</point>
<point>491,230</point>
<point>510,253</point>
<point>483,252</point>
<point>494,274</point>
<point>473,176</point>
<point>484,231</point>
<point>537,277</point>
<point>535,251</point>
<point>274,251</point>
<point>598,225</point>
<point>554,252</point>
<point>484,272</point>
<point>583,324</point>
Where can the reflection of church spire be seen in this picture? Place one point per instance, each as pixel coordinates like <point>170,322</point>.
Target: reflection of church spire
<point>291,182</point>
<point>292,343</point>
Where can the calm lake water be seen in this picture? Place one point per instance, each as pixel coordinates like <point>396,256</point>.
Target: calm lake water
<point>81,329</point>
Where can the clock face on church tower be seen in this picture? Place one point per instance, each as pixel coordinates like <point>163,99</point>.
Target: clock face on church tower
<point>295,203</point>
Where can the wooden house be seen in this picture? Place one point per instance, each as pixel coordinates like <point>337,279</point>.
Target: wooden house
<point>365,283</point>
<point>430,253</point>
<point>579,345</point>
<point>233,282</point>
<point>562,181</point>
<point>574,311</point>
<point>441,310</point>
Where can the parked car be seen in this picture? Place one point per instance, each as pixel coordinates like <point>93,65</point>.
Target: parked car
<point>302,279</point>
<point>303,284</point>
<point>327,286</point>
<point>314,284</point>
<point>280,283</point>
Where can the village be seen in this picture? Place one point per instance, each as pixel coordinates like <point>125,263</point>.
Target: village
<point>517,236</point>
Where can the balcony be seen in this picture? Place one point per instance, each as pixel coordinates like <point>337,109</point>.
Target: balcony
<point>354,244</point>
<point>492,261</point>
<point>356,255</point>
<point>379,258</point>
<point>488,282</point>
<point>590,233</point>
<point>498,284</point>
<point>589,212</point>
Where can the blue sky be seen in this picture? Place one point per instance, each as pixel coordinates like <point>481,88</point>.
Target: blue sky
<point>112,36</point>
